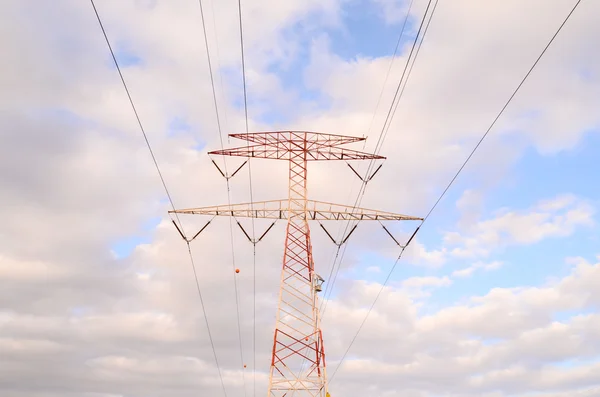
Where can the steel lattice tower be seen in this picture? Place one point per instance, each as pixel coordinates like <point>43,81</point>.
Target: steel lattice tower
<point>298,338</point>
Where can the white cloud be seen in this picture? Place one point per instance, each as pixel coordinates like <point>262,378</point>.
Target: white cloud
<point>422,287</point>
<point>468,271</point>
<point>418,253</point>
<point>418,282</point>
<point>75,320</point>
<point>470,205</point>
<point>477,238</point>
<point>557,217</point>
<point>519,325</point>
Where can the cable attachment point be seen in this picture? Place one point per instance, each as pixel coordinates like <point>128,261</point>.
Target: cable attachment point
<point>365,180</point>
<point>254,241</point>
<point>195,235</point>
<point>343,240</point>
<point>228,177</point>
<point>391,235</point>
<point>396,241</point>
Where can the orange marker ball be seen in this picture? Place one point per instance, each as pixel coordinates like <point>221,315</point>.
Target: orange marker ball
<point>237,270</point>
<point>244,365</point>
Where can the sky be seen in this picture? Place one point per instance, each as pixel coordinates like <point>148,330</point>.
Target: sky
<point>495,297</point>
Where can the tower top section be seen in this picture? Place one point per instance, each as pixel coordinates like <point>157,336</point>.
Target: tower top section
<point>285,145</point>
<point>315,138</point>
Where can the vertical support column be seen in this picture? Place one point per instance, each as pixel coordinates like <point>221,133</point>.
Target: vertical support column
<point>298,359</point>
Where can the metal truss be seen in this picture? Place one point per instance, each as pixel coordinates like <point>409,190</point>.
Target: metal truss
<point>315,211</point>
<point>288,145</point>
<point>298,338</point>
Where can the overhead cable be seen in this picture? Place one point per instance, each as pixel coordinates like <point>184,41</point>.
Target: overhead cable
<point>397,96</point>
<point>365,180</point>
<point>452,181</point>
<point>112,53</point>
<point>251,195</point>
<point>166,190</point>
<point>216,105</point>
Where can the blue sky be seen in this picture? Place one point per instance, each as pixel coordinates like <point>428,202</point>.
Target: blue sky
<point>534,177</point>
<point>109,321</point>
<point>364,36</point>
<point>124,247</point>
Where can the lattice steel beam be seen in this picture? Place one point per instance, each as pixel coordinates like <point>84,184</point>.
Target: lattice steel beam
<point>315,211</point>
<point>298,336</point>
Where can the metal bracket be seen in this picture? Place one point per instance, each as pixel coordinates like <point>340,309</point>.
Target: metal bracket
<point>195,235</point>
<point>228,177</point>
<point>365,180</point>
<point>343,240</point>
<point>255,241</point>
<point>396,241</point>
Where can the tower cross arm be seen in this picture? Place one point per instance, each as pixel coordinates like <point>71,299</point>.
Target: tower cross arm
<point>315,210</point>
<point>313,139</point>
<point>287,150</point>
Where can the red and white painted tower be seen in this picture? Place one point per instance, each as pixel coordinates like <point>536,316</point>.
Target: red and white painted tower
<point>298,338</point>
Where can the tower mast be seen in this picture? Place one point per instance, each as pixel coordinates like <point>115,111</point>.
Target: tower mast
<point>298,337</point>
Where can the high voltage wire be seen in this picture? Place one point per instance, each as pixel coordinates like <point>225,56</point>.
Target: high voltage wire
<point>329,287</point>
<point>397,94</point>
<point>503,108</point>
<point>389,117</point>
<point>251,201</point>
<point>387,75</point>
<point>452,182</point>
<point>379,145</point>
<point>212,80</point>
<point>206,318</point>
<point>374,114</point>
<point>337,251</point>
<point>362,190</point>
<point>212,9</point>
<point>410,70</point>
<point>235,283</point>
<point>166,190</point>
<point>162,179</point>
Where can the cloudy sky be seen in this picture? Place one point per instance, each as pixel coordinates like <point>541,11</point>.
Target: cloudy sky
<point>496,296</point>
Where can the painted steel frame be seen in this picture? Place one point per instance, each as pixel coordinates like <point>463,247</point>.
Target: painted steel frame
<point>298,337</point>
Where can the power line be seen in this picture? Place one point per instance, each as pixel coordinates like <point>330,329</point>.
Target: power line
<point>251,198</point>
<point>166,190</point>
<point>235,283</point>
<point>379,145</point>
<point>379,102</point>
<point>368,313</point>
<point>397,94</point>
<point>212,80</point>
<point>337,251</point>
<point>411,67</point>
<point>243,63</point>
<point>452,181</point>
<point>333,277</point>
<point>212,8</point>
<point>112,53</point>
<point>391,64</point>
<point>502,110</point>
<point>206,318</point>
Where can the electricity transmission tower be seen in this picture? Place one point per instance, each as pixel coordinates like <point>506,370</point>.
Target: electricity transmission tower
<point>298,337</point>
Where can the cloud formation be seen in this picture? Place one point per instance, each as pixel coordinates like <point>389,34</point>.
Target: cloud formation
<point>76,320</point>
